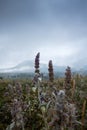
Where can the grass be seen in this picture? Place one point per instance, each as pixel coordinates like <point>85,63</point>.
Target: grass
<point>42,112</point>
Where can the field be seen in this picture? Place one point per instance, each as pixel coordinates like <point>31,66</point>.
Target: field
<point>39,104</point>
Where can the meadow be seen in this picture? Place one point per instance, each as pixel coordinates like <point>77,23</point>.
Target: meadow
<point>39,104</point>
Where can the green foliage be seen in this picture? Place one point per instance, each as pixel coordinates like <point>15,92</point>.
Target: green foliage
<point>36,115</point>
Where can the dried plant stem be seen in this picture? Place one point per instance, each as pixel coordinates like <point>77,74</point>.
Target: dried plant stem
<point>73,88</point>
<point>83,113</point>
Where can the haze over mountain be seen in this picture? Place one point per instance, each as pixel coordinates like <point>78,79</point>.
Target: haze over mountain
<point>28,67</point>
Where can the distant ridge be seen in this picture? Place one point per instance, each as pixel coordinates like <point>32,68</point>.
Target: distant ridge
<point>28,67</point>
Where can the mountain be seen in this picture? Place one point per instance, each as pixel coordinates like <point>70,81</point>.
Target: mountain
<point>28,66</point>
<point>25,66</point>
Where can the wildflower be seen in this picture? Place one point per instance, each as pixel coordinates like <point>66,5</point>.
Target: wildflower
<point>43,109</point>
<point>68,75</point>
<point>61,93</point>
<point>34,89</point>
<point>37,63</point>
<point>50,69</point>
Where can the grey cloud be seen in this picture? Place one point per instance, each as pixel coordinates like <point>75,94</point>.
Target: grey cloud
<point>29,26</point>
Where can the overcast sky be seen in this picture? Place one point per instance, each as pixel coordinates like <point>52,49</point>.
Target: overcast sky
<point>55,28</point>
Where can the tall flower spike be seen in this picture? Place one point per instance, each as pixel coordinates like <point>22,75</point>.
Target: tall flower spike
<point>37,63</point>
<point>68,75</point>
<point>50,69</point>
